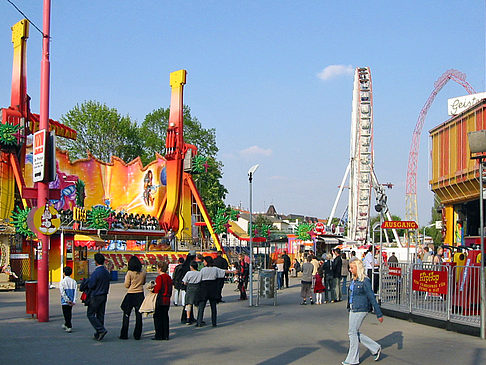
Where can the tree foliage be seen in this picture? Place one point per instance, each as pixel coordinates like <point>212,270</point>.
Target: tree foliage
<point>153,131</point>
<point>433,232</point>
<point>102,131</point>
<point>105,133</point>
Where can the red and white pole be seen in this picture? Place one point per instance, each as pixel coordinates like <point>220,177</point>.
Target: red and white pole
<point>43,187</point>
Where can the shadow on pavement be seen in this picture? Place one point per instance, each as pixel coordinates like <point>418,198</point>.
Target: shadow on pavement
<point>289,356</point>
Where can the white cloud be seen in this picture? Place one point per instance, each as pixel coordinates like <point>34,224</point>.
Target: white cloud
<point>255,151</point>
<point>334,71</point>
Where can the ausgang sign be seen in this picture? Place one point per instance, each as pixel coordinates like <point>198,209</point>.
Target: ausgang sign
<point>399,225</point>
<point>458,105</point>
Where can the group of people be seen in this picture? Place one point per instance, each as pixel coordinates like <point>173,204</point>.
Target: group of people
<point>326,278</point>
<point>196,280</point>
<point>199,279</point>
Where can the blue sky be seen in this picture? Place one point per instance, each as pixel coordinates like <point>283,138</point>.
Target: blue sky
<point>253,75</point>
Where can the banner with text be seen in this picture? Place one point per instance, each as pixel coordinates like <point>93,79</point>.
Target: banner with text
<point>430,281</point>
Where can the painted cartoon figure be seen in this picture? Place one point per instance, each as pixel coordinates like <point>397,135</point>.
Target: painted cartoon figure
<point>148,189</point>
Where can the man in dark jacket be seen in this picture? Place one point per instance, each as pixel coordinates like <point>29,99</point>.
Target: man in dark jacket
<point>286,268</point>
<point>337,264</point>
<point>221,263</point>
<point>99,285</point>
<point>180,288</point>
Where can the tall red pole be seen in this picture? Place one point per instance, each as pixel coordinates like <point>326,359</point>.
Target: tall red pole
<point>43,187</point>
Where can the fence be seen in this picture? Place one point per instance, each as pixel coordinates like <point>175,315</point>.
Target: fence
<point>444,292</point>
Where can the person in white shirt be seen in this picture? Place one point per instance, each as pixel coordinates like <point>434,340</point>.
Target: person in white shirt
<point>209,290</point>
<point>191,280</point>
<point>68,289</point>
<point>369,263</point>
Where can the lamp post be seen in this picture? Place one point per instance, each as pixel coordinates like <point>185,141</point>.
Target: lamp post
<point>477,147</point>
<point>251,171</point>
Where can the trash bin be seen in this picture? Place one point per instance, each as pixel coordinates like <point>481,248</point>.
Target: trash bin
<point>266,285</point>
<point>114,275</point>
<point>31,297</point>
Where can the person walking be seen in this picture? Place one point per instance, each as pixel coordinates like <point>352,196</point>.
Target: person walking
<point>163,288</point>
<point>360,298</point>
<point>185,269</point>
<point>337,264</point>
<point>221,263</point>
<point>68,289</point>
<point>134,282</point>
<point>99,286</point>
<point>280,272</point>
<point>287,264</point>
<point>329,293</point>
<point>306,281</point>
<point>243,274</point>
<point>209,290</point>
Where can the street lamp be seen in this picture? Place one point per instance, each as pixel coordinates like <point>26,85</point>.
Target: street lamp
<point>477,147</point>
<point>251,171</point>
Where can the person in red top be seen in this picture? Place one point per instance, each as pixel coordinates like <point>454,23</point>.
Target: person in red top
<point>163,288</point>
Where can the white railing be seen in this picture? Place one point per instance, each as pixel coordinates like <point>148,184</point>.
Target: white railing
<point>458,304</point>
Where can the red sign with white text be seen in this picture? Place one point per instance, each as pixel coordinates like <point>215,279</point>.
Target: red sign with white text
<point>430,281</point>
<point>397,271</point>
<point>399,225</point>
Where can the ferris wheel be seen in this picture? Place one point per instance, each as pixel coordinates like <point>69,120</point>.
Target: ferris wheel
<point>362,178</point>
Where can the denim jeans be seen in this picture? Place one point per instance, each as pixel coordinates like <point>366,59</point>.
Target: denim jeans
<point>96,312</point>
<point>355,337</point>
<point>344,285</point>
<point>280,278</point>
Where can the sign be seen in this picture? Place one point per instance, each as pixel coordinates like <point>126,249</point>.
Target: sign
<point>39,158</point>
<point>393,270</point>
<point>19,256</point>
<point>399,225</point>
<point>319,228</point>
<point>47,220</point>
<point>458,105</point>
<point>434,282</point>
<point>172,269</point>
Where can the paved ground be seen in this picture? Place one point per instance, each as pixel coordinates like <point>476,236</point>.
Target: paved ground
<point>286,334</point>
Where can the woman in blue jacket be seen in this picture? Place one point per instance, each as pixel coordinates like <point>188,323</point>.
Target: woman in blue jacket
<point>360,299</point>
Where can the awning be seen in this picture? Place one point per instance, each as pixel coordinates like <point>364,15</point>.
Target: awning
<point>89,241</point>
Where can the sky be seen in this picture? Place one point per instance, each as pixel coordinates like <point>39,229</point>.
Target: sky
<point>274,78</point>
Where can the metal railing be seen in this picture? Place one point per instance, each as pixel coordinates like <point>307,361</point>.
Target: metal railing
<point>459,305</point>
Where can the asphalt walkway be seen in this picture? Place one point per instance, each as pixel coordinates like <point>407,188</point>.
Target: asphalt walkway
<point>288,333</point>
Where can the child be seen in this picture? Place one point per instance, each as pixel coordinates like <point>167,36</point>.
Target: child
<point>68,297</point>
<point>318,286</point>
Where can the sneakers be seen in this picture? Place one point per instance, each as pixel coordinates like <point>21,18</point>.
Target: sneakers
<point>377,355</point>
<point>69,330</point>
<point>64,327</point>
<point>303,303</point>
<point>101,335</point>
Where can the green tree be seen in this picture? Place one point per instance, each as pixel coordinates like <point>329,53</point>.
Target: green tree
<point>209,185</point>
<point>433,232</point>
<point>102,131</point>
<point>376,234</point>
<point>153,131</point>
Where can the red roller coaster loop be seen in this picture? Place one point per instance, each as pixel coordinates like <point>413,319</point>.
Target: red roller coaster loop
<point>411,186</point>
